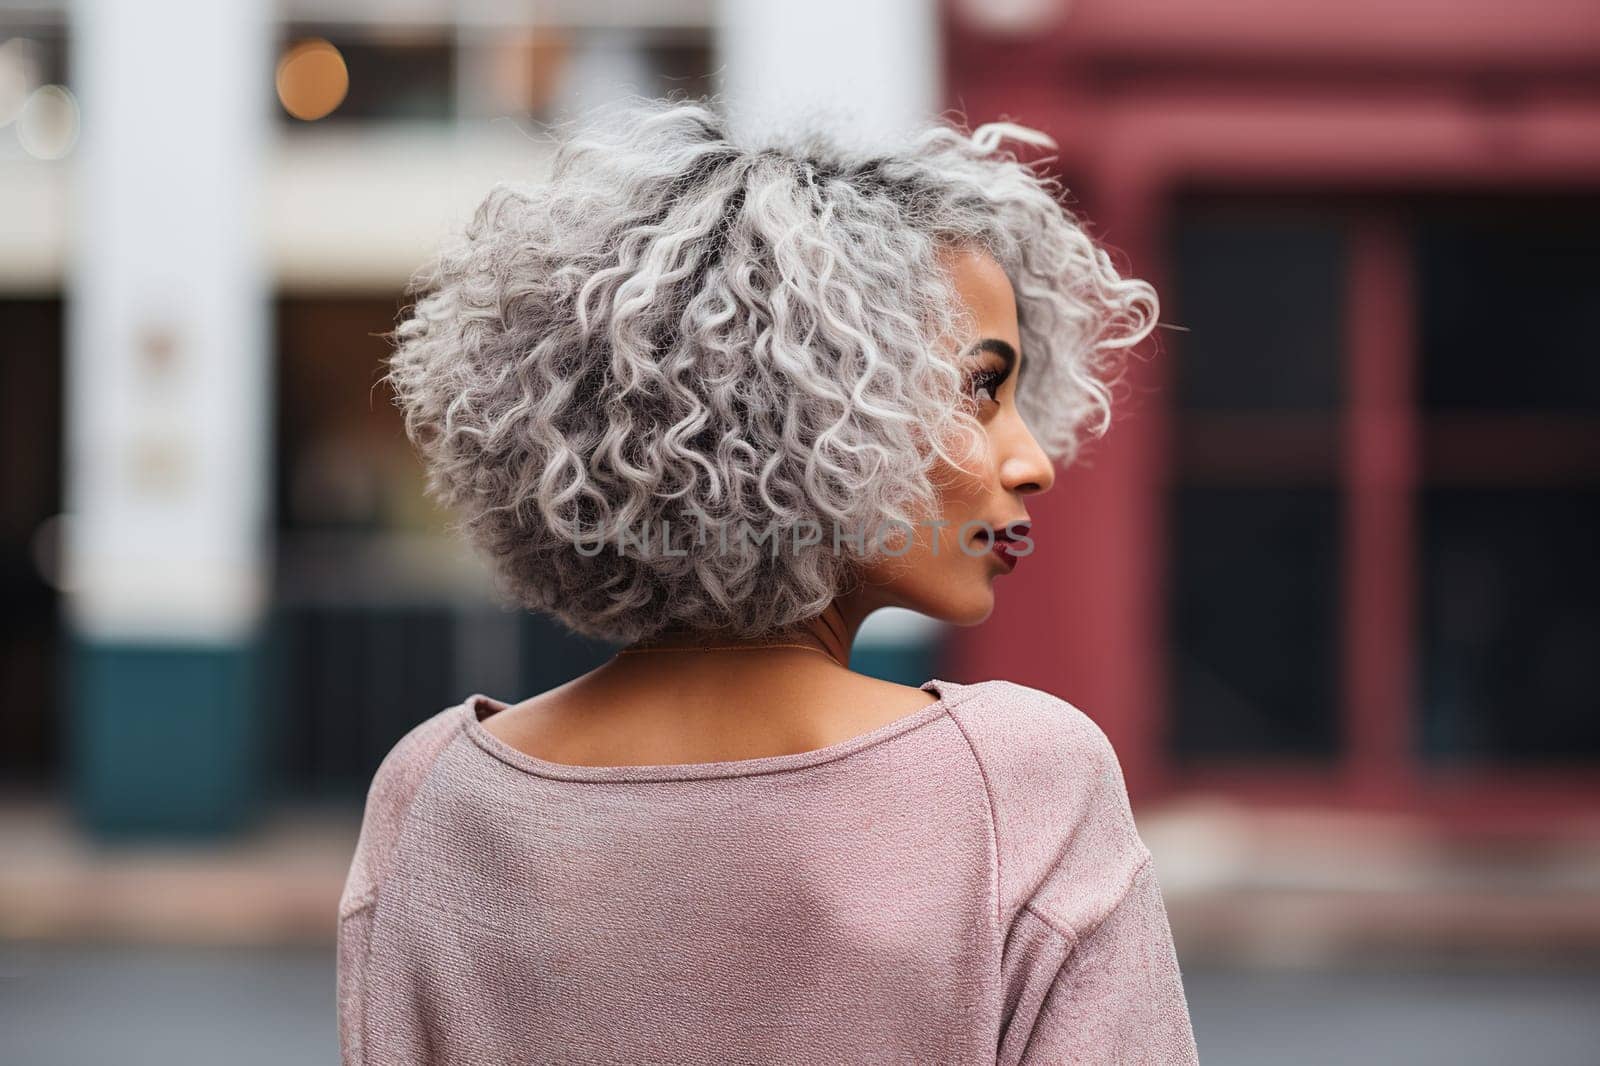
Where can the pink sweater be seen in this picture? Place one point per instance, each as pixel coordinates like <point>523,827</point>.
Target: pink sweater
<point>963,885</point>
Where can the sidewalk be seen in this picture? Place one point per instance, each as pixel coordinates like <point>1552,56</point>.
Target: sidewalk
<point>1317,888</point>
<point>277,886</point>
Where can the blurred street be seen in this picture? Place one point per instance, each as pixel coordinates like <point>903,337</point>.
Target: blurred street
<point>173,1006</point>
<point>76,1006</point>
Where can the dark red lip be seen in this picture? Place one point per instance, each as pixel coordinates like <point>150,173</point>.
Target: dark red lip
<point>1002,545</point>
<point>1005,550</point>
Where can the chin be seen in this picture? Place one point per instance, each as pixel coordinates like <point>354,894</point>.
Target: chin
<point>967,611</point>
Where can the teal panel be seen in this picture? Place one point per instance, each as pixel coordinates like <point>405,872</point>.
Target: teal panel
<point>163,740</point>
<point>905,664</point>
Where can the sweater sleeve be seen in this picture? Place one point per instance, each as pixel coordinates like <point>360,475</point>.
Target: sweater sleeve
<point>1089,970</point>
<point>1118,996</point>
<point>389,798</point>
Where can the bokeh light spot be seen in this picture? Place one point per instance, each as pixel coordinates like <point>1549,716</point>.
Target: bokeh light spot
<point>312,79</point>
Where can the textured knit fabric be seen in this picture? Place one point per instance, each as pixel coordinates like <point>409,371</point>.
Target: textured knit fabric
<point>962,885</point>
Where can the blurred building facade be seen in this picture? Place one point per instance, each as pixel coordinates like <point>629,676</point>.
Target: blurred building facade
<point>1337,549</point>
<point>226,585</point>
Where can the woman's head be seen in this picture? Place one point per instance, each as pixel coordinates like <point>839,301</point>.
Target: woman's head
<point>946,568</point>
<point>696,382</point>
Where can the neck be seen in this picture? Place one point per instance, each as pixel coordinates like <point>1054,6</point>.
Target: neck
<point>833,631</point>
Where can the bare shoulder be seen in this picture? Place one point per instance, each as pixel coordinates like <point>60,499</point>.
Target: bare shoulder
<point>888,694</point>
<point>536,711</point>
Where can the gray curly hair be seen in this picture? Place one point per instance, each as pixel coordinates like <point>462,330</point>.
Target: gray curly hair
<point>685,324</point>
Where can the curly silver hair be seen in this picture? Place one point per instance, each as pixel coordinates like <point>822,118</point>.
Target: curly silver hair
<point>685,325</point>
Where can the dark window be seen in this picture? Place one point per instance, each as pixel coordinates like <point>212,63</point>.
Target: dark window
<point>1254,646</point>
<point>343,460</point>
<point>1510,623</point>
<point>1506,293</point>
<point>1254,573</point>
<point>350,680</point>
<point>30,495</point>
<point>1510,508</point>
<point>1260,293</point>
<point>372,631</point>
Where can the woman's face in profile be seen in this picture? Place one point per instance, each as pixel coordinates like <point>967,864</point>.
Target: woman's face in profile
<point>948,572</point>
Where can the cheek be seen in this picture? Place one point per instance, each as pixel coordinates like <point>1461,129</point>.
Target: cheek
<point>960,487</point>
<point>974,452</point>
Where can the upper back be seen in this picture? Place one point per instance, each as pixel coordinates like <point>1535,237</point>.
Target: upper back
<point>702,713</point>
<point>503,907</point>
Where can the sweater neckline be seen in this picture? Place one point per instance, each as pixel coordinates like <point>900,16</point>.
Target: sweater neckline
<point>478,706</point>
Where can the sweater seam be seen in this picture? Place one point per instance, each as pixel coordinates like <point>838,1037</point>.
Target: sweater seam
<point>380,884</point>
<point>361,992</point>
<point>1074,940</point>
<point>365,903</point>
<point>994,831</point>
<point>1050,923</point>
<point>404,824</point>
<point>1078,937</point>
<point>517,760</point>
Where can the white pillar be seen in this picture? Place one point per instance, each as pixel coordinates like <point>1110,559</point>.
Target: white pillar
<point>871,68</point>
<point>168,400</point>
<point>167,388</point>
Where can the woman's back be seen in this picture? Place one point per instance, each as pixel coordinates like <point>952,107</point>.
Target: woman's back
<point>697,391</point>
<point>963,883</point>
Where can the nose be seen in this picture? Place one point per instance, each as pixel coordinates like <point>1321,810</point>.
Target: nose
<point>1024,466</point>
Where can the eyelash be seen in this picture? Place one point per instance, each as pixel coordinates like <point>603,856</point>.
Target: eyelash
<point>990,379</point>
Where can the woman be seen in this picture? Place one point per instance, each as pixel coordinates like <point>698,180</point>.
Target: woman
<point>720,401</point>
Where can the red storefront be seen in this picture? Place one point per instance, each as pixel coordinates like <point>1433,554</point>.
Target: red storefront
<point>1339,547</point>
